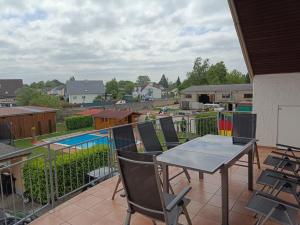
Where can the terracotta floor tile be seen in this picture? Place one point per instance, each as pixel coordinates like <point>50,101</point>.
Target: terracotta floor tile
<point>67,212</point>
<point>216,200</point>
<point>47,219</point>
<point>211,213</point>
<point>88,202</point>
<point>198,220</point>
<point>85,217</point>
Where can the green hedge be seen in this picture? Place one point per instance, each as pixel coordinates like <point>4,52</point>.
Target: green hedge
<point>206,123</point>
<point>71,170</point>
<point>77,122</point>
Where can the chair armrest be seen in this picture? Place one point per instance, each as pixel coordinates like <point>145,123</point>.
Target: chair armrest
<point>152,153</point>
<point>172,144</point>
<point>176,201</point>
<point>287,179</point>
<point>283,154</point>
<point>289,148</point>
<point>283,173</point>
<point>278,200</point>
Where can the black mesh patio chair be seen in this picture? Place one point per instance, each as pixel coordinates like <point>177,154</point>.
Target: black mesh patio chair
<point>269,207</point>
<point>141,181</point>
<point>123,140</point>
<point>151,142</point>
<point>278,182</point>
<point>244,128</point>
<point>6,134</point>
<point>284,158</point>
<point>171,138</point>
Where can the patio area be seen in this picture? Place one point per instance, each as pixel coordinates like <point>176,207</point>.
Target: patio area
<point>95,207</point>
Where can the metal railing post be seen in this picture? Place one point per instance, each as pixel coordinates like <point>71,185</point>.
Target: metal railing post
<point>50,176</point>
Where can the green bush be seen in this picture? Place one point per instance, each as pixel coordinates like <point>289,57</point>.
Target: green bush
<point>71,170</point>
<point>206,123</point>
<point>77,122</point>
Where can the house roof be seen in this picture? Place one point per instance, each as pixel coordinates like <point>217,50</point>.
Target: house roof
<point>79,87</point>
<point>8,87</point>
<point>218,88</point>
<point>23,110</point>
<point>90,112</point>
<point>269,34</point>
<point>115,114</point>
<point>58,88</point>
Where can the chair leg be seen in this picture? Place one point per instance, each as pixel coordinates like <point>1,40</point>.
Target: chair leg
<point>116,188</point>
<point>187,216</point>
<point>187,175</point>
<point>257,155</point>
<point>128,217</point>
<point>154,223</point>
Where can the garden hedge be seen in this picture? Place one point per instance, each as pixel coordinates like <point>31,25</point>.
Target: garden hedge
<point>77,122</point>
<point>71,170</point>
<point>206,123</point>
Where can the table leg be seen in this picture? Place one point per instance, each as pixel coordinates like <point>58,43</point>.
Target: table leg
<point>166,184</point>
<point>225,194</point>
<point>200,175</point>
<point>250,170</point>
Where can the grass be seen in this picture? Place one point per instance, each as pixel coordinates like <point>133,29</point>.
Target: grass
<point>60,130</point>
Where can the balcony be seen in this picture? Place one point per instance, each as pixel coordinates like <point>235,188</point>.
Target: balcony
<point>80,192</point>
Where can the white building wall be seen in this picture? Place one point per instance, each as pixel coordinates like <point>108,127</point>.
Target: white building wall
<point>78,99</point>
<point>269,91</point>
<point>156,92</point>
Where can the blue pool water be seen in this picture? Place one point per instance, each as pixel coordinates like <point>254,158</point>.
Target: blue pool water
<point>88,140</point>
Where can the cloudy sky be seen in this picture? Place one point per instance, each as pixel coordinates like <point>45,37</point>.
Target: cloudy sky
<point>102,39</point>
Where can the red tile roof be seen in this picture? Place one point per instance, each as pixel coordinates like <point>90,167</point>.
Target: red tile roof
<point>90,112</point>
<point>116,114</point>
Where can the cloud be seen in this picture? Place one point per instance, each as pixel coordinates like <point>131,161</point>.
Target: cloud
<point>98,39</point>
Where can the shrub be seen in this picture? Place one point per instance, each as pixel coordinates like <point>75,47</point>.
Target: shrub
<point>71,170</point>
<point>77,122</point>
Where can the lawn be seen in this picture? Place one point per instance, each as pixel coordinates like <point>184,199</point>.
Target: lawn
<point>60,130</point>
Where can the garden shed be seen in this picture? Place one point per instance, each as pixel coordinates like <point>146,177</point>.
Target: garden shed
<point>110,118</point>
<point>23,118</point>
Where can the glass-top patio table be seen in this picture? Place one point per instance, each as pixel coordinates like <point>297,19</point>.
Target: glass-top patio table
<point>209,154</point>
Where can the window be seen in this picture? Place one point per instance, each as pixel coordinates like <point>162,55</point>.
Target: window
<point>83,97</point>
<point>248,95</point>
<point>225,96</point>
<point>188,96</point>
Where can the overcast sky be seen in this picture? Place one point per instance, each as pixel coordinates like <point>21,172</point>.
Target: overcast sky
<point>95,39</point>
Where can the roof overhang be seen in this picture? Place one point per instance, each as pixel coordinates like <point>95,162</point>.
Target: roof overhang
<point>269,34</point>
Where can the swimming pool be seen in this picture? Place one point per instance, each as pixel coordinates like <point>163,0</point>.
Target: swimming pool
<point>88,141</point>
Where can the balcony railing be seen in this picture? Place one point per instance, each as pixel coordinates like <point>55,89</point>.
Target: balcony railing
<point>56,172</point>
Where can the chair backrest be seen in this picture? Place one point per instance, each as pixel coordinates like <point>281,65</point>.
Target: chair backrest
<point>124,138</point>
<point>149,137</point>
<point>141,183</point>
<point>244,126</point>
<point>168,129</point>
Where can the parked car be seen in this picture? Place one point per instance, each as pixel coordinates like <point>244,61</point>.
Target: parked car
<point>121,102</point>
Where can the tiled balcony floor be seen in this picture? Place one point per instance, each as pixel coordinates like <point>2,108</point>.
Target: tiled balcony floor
<point>95,207</point>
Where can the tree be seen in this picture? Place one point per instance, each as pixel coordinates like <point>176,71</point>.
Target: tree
<point>126,86</point>
<point>30,96</point>
<point>142,81</point>
<point>216,73</point>
<point>236,77</point>
<point>112,87</point>
<point>163,81</point>
<point>178,82</point>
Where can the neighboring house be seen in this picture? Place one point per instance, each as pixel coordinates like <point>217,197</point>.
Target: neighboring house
<point>24,118</point>
<point>150,91</point>
<point>111,118</point>
<point>270,44</point>
<point>8,89</point>
<point>228,94</point>
<point>57,91</point>
<point>84,91</point>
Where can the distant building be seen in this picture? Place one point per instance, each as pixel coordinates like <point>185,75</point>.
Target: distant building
<point>150,91</point>
<point>84,91</point>
<point>227,94</point>
<point>8,89</point>
<point>57,91</point>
